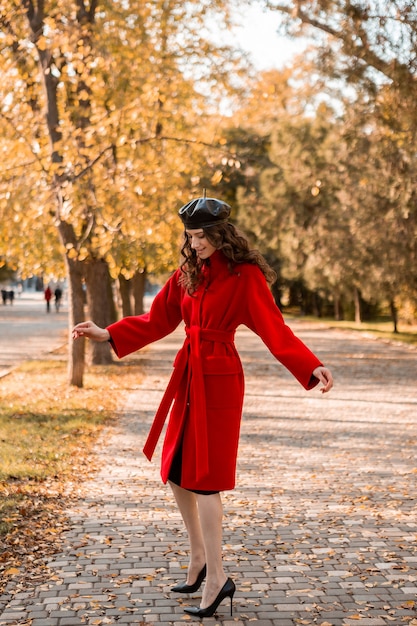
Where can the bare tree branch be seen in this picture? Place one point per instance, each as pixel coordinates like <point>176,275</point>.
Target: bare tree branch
<point>359,47</point>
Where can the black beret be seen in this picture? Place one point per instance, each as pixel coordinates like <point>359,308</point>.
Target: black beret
<point>204,212</point>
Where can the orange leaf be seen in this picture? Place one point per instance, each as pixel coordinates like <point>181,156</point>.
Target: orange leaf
<point>12,571</point>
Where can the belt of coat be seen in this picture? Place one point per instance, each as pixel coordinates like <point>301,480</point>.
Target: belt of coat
<point>190,355</point>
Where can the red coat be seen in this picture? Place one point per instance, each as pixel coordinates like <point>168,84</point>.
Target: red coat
<point>207,384</point>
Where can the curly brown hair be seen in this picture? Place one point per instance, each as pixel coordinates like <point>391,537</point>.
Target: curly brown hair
<point>234,245</point>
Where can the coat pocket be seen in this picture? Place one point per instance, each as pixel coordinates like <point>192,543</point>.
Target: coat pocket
<point>223,381</point>
<point>221,365</point>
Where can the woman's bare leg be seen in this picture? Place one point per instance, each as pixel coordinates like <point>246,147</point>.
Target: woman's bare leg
<point>210,509</point>
<point>187,504</point>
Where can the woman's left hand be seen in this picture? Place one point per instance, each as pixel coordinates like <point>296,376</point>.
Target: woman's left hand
<point>325,377</point>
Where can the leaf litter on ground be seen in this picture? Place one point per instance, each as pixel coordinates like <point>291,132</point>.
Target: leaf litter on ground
<point>47,434</point>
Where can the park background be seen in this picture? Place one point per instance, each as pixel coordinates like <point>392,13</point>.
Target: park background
<point>113,115</point>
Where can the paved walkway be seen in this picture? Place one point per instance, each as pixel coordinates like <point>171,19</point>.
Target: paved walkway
<point>27,331</point>
<point>321,529</point>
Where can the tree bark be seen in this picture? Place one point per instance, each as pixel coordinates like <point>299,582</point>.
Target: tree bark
<point>138,286</point>
<point>101,307</point>
<point>76,301</point>
<point>357,301</point>
<point>125,287</point>
<point>337,308</point>
<point>394,315</point>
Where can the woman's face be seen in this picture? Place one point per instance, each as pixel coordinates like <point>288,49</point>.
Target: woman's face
<point>199,242</point>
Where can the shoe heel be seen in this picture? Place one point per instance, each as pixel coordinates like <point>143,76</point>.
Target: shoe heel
<point>227,591</point>
<point>232,593</point>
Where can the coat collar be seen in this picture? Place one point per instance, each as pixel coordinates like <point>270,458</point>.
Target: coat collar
<point>216,261</point>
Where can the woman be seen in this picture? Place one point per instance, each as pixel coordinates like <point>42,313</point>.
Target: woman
<point>220,284</point>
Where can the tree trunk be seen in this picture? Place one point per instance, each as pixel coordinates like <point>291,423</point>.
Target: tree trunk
<point>125,287</point>
<point>337,311</point>
<point>101,307</point>
<point>317,304</point>
<point>276,290</point>
<point>138,285</point>
<point>357,301</point>
<point>276,287</point>
<point>394,315</point>
<point>76,301</point>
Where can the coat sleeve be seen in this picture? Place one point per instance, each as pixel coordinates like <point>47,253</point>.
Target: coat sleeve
<point>264,318</point>
<point>134,332</point>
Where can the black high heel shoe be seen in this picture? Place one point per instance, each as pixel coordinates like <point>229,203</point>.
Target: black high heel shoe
<point>184,588</point>
<point>227,591</point>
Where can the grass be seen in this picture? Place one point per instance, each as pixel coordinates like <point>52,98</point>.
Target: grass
<point>381,329</point>
<point>47,432</point>
<point>41,421</point>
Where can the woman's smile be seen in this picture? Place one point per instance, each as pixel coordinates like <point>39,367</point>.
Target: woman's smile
<point>199,242</point>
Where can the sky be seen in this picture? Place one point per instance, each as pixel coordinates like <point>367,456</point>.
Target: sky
<point>258,35</point>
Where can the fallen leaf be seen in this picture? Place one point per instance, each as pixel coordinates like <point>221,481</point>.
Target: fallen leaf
<point>12,571</point>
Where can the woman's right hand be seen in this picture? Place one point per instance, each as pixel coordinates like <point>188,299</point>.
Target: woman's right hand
<point>90,330</point>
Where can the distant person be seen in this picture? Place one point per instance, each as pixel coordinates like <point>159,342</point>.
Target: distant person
<point>4,296</point>
<point>10,293</point>
<point>221,284</point>
<point>48,298</point>
<point>58,298</point>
